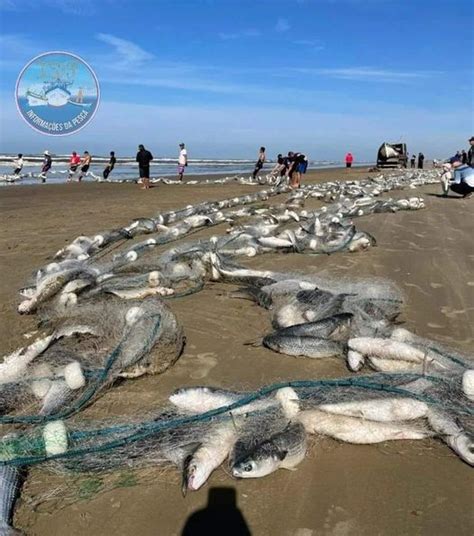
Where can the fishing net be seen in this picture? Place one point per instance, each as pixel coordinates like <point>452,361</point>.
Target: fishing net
<point>81,353</point>
<point>167,436</point>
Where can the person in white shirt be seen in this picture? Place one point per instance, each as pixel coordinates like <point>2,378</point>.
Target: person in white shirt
<point>446,178</point>
<point>182,160</point>
<point>18,164</point>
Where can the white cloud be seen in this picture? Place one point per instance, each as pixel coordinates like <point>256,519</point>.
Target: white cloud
<point>8,5</point>
<point>128,52</point>
<point>282,25</point>
<point>68,7</point>
<point>313,44</point>
<point>251,32</point>
<point>73,7</point>
<point>369,74</point>
<point>15,51</point>
<point>235,131</point>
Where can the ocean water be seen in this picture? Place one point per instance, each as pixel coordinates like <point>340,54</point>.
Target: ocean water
<point>126,169</point>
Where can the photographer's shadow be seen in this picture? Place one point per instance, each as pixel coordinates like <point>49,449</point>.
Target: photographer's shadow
<point>220,516</point>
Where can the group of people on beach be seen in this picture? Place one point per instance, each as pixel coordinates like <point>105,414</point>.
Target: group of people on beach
<point>457,176</point>
<point>75,163</point>
<point>84,163</point>
<point>144,157</point>
<point>421,161</point>
<point>291,167</point>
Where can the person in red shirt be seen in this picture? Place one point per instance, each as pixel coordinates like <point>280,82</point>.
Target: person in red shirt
<point>74,162</point>
<point>349,160</point>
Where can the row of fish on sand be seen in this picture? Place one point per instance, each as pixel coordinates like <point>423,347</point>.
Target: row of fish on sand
<point>104,310</point>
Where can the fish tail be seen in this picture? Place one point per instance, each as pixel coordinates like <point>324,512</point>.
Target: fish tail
<point>10,483</point>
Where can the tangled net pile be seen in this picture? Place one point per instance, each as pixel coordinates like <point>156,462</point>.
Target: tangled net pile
<point>103,314</point>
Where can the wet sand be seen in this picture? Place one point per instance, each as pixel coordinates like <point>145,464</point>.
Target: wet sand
<point>396,488</point>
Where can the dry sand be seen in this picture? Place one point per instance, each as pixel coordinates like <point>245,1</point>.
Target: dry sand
<point>412,488</point>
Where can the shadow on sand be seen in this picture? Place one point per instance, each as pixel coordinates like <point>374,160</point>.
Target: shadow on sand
<point>220,516</point>
<point>441,196</point>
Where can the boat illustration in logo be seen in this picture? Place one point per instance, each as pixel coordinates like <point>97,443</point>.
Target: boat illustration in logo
<point>57,93</point>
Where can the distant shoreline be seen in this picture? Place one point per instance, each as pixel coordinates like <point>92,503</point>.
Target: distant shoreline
<point>312,174</point>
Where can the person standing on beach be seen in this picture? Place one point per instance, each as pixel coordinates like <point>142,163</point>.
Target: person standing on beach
<point>297,166</point>
<point>18,165</point>
<point>413,161</point>
<point>85,165</point>
<point>47,163</point>
<point>182,160</point>
<point>144,158</point>
<point>74,162</point>
<point>349,160</point>
<point>470,153</point>
<point>421,159</point>
<point>260,161</point>
<point>110,166</point>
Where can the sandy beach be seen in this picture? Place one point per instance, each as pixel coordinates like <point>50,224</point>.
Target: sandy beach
<point>415,488</point>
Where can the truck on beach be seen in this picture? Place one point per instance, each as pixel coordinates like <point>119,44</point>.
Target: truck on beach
<point>392,155</point>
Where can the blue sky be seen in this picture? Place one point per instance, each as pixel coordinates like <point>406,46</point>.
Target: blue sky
<point>226,76</point>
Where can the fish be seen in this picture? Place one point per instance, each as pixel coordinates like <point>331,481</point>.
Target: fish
<point>202,399</point>
<point>211,453</point>
<point>295,345</point>
<point>284,449</point>
<point>381,410</point>
<point>452,433</point>
<point>56,397</point>
<point>336,327</point>
<point>10,483</point>
<point>359,430</point>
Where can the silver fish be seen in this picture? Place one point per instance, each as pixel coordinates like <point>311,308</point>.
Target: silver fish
<point>313,347</point>
<point>336,327</point>
<point>10,482</point>
<point>284,449</point>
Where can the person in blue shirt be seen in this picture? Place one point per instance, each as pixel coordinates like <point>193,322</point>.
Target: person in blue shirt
<point>463,183</point>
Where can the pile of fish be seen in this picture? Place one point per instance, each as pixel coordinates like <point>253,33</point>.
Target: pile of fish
<point>103,312</point>
<point>258,432</point>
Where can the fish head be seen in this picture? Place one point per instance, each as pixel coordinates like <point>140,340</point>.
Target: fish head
<point>258,467</point>
<point>194,475</point>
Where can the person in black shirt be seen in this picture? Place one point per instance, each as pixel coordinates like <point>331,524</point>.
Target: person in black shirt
<point>47,163</point>
<point>413,161</point>
<point>421,158</point>
<point>297,166</point>
<point>110,166</point>
<point>259,163</point>
<point>144,158</point>
<point>470,153</point>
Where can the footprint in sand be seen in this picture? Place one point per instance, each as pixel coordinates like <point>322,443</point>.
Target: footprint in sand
<point>436,285</point>
<point>452,313</point>
<point>302,532</point>
<point>202,364</point>
<point>337,522</point>
<point>434,326</point>
<point>470,283</point>
<point>417,287</point>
